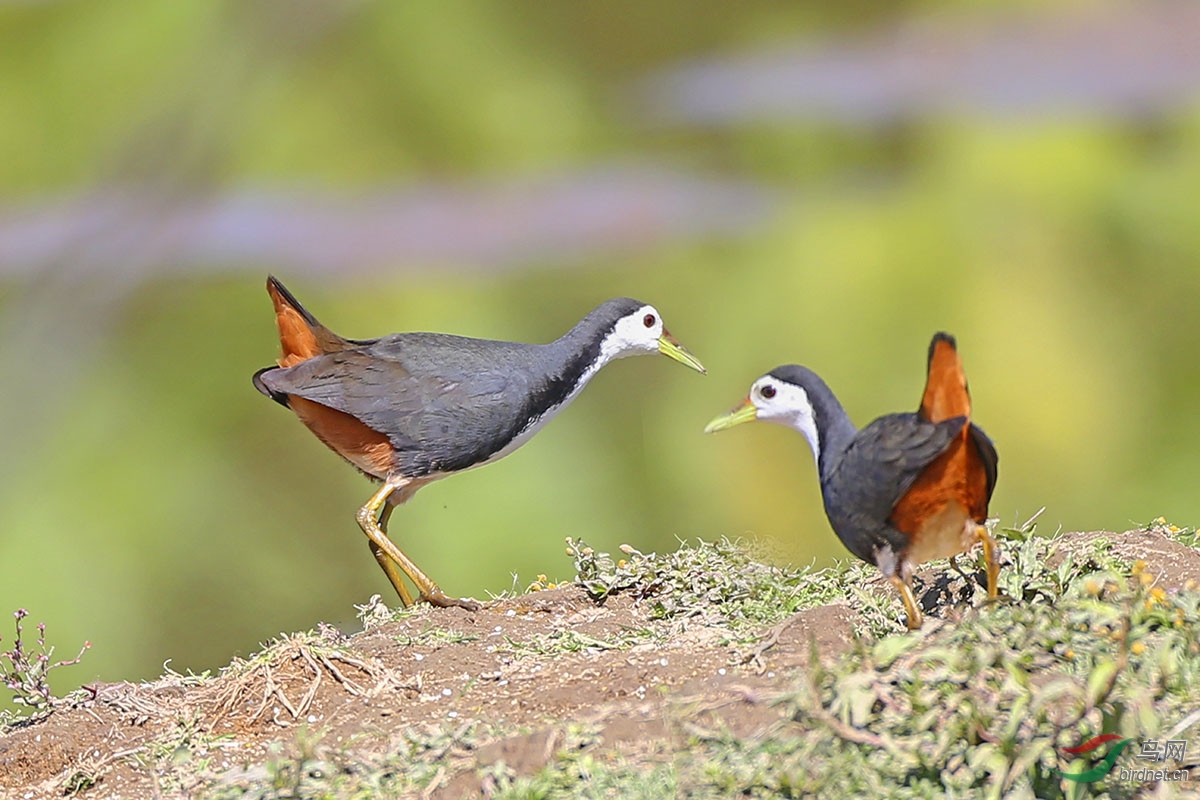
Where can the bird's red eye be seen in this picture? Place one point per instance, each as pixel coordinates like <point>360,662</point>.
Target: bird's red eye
<point>767,392</point>
<point>649,320</point>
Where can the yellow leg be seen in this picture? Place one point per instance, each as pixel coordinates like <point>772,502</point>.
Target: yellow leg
<point>369,517</point>
<point>915,617</point>
<point>390,567</point>
<point>991,552</point>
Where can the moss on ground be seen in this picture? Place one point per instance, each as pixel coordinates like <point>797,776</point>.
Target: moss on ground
<point>980,706</point>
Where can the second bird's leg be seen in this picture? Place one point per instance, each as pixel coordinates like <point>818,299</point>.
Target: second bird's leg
<point>390,567</point>
<point>369,518</point>
<point>904,587</point>
<point>991,556</point>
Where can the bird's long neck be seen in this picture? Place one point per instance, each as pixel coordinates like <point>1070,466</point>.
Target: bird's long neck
<point>834,428</point>
<point>568,363</point>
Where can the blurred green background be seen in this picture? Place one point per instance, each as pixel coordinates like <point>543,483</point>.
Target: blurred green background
<point>826,184</point>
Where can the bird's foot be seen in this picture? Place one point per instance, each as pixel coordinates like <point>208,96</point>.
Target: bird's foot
<point>438,598</point>
<point>904,587</point>
<point>998,600</point>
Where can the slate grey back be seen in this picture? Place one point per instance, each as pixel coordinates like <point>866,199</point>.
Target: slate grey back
<point>875,471</point>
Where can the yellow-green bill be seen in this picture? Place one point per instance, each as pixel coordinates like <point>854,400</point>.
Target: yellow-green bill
<point>668,345</point>
<point>746,412</point>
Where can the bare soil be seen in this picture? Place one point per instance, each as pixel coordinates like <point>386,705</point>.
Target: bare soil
<point>506,668</point>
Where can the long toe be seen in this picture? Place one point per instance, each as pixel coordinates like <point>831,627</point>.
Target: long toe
<point>442,600</point>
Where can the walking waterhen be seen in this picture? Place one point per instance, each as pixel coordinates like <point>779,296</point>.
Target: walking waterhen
<point>409,408</point>
<point>905,489</point>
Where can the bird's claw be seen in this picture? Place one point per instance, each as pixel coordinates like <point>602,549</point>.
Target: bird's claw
<point>440,599</point>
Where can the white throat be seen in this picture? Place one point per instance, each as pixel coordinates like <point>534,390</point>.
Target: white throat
<point>791,407</point>
<point>805,423</point>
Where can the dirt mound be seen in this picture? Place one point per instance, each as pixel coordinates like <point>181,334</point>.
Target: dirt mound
<point>451,703</point>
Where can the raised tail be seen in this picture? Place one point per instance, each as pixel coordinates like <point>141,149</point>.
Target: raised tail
<point>301,337</point>
<point>300,334</point>
<point>946,394</point>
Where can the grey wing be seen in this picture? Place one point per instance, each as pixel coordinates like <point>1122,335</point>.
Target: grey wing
<point>464,398</point>
<point>384,392</point>
<point>887,456</point>
<point>356,383</point>
<point>441,410</point>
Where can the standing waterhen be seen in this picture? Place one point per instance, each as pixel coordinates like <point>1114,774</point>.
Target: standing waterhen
<point>905,489</point>
<point>409,408</point>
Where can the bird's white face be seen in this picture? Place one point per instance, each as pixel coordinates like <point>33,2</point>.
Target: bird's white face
<point>775,400</point>
<point>780,401</point>
<point>637,332</point>
<point>642,331</point>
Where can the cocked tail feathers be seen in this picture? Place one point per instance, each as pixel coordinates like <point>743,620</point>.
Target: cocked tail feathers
<point>946,394</point>
<point>301,336</point>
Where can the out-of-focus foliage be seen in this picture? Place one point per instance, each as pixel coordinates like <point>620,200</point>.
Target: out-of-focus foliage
<point>154,503</point>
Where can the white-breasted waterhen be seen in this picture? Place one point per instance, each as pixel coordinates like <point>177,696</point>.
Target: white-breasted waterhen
<point>409,408</point>
<point>905,489</point>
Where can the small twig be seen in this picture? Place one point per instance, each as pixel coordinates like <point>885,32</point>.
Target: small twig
<point>283,699</point>
<point>306,701</point>
<point>272,689</point>
<point>434,784</point>
<point>268,689</point>
<point>771,639</point>
<point>27,670</point>
<point>1025,526</point>
<point>1185,723</point>
<point>983,733</point>
<point>459,733</point>
<point>349,685</point>
<point>94,770</point>
<point>848,732</point>
<point>552,740</point>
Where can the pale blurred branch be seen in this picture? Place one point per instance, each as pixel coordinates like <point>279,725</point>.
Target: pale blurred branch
<point>1124,60</point>
<point>562,218</point>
